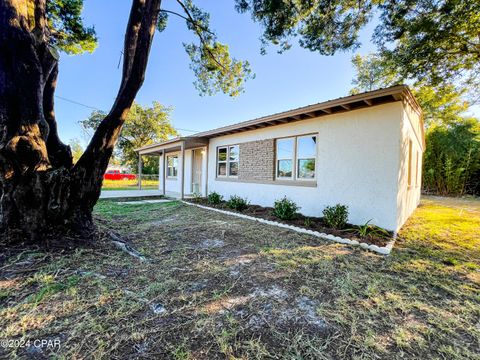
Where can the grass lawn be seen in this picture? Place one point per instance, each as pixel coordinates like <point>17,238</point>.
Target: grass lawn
<point>129,184</point>
<point>221,287</point>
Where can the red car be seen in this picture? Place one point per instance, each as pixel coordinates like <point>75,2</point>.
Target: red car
<point>118,175</point>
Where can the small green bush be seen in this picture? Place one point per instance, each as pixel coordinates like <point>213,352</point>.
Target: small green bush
<point>237,203</point>
<point>214,198</point>
<point>307,222</point>
<point>285,209</point>
<point>367,230</point>
<point>197,197</point>
<point>336,216</point>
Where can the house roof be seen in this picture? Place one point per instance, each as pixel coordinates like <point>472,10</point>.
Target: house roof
<point>188,142</point>
<point>343,104</point>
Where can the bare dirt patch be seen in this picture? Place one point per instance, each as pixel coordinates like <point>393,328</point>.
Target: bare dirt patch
<point>218,287</point>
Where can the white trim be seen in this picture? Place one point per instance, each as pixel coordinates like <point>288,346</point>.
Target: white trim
<point>169,177</point>
<point>226,162</point>
<point>384,250</point>
<point>294,159</point>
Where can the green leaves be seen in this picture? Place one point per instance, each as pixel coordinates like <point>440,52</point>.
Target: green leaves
<point>443,104</point>
<point>373,72</point>
<point>434,40</point>
<point>211,62</point>
<point>68,32</point>
<point>322,26</point>
<point>162,21</point>
<point>144,126</point>
<point>452,158</point>
<point>216,70</point>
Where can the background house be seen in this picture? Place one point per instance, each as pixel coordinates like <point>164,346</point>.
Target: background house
<point>364,151</point>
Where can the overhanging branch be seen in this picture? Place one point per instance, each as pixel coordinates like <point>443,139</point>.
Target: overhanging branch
<point>200,35</point>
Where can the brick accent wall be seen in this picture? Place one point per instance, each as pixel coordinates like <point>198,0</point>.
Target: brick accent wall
<point>257,160</point>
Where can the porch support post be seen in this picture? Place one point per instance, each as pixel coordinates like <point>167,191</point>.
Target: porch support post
<point>182,182</point>
<point>206,169</point>
<point>164,178</point>
<point>139,171</point>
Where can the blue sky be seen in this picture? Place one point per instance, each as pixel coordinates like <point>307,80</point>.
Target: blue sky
<point>295,78</point>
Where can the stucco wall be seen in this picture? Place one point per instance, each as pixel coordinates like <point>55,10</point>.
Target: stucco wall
<point>357,165</point>
<point>408,196</point>
<point>174,185</point>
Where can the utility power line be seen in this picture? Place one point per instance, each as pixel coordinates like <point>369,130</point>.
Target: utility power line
<point>95,108</point>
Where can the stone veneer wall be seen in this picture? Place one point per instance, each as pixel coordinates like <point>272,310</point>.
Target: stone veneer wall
<point>257,160</point>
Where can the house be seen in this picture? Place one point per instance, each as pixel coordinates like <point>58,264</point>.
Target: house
<point>364,151</point>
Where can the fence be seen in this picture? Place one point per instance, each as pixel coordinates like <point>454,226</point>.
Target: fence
<point>149,182</point>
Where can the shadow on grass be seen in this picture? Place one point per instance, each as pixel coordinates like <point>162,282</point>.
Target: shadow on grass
<point>235,288</point>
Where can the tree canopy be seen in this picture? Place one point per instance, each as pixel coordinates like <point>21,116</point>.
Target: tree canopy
<point>144,126</point>
<point>433,40</point>
<point>441,104</point>
<point>67,31</point>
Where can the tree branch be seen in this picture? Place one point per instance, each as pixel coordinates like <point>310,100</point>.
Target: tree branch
<point>200,36</point>
<point>89,170</point>
<point>194,23</point>
<point>40,17</point>
<point>131,37</point>
<point>59,154</point>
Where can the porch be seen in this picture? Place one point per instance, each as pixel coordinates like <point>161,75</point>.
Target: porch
<point>183,166</point>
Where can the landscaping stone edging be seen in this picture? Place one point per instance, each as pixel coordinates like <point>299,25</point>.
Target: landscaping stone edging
<point>383,250</point>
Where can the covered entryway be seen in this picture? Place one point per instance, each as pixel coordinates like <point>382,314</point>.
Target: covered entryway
<point>183,165</point>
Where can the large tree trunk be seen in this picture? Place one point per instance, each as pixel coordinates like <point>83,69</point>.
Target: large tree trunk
<point>40,188</point>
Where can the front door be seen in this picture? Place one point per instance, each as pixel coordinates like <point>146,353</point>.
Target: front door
<point>197,172</point>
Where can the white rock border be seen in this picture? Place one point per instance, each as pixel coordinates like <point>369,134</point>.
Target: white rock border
<point>384,250</point>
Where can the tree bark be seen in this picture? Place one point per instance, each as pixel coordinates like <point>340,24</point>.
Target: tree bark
<point>39,186</point>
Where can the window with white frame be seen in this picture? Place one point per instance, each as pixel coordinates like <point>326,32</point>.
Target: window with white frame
<point>285,158</point>
<point>296,158</point>
<point>172,166</point>
<point>228,158</point>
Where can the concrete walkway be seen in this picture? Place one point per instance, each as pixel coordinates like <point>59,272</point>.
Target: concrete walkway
<point>112,194</point>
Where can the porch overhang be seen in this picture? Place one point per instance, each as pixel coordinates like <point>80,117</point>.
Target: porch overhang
<point>173,145</point>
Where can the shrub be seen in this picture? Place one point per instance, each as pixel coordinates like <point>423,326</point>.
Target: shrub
<point>307,222</point>
<point>197,197</point>
<point>237,203</point>
<point>285,209</point>
<point>214,198</point>
<point>367,230</point>
<point>335,216</point>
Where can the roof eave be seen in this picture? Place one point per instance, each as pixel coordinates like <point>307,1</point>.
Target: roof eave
<point>348,103</point>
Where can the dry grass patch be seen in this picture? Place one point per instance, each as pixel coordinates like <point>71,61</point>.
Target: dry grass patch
<point>220,287</point>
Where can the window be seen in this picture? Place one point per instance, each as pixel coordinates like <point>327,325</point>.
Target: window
<point>228,158</point>
<point>172,166</point>
<point>296,158</point>
<point>306,154</point>
<point>285,152</point>
<point>233,160</point>
<point>409,162</point>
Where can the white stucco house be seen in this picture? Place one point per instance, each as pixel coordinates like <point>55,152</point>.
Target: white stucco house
<point>364,151</point>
